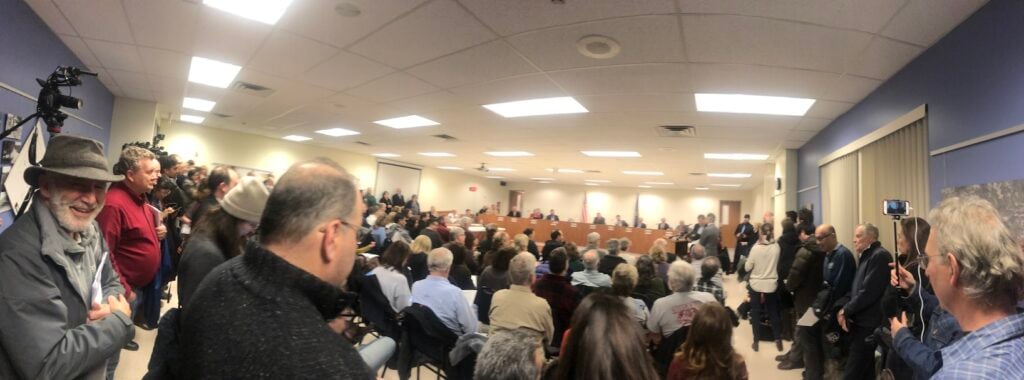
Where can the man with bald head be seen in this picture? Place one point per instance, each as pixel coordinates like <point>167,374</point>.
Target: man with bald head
<point>863,313</point>
<point>590,276</point>
<point>265,313</point>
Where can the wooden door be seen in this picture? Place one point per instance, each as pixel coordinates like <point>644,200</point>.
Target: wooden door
<point>728,219</point>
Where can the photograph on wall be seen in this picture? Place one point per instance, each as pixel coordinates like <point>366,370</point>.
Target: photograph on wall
<point>9,121</point>
<point>1006,196</point>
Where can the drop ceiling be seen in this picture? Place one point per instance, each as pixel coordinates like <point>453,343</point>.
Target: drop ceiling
<point>443,59</point>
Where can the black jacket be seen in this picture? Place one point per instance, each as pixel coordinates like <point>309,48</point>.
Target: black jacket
<point>549,246</point>
<point>531,247</point>
<point>805,276</point>
<point>599,220</point>
<point>789,243</point>
<point>551,217</point>
<point>257,316</point>
<point>865,307</point>
<point>515,214</point>
<point>608,263</point>
<point>398,200</point>
<point>435,238</point>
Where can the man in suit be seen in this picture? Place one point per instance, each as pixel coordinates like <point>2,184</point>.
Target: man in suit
<point>863,313</point>
<point>431,232</point>
<point>640,223</point>
<point>514,212</point>
<point>746,237</point>
<point>619,222</point>
<point>598,219</point>
<point>698,228</point>
<point>710,238</point>
<point>664,225</point>
<point>398,199</point>
<point>552,215</point>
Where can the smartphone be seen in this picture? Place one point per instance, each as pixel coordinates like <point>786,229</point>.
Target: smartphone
<point>895,207</point>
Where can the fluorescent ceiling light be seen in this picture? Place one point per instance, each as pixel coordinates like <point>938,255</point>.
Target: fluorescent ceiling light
<point>265,11</point>
<point>725,184</point>
<point>765,105</point>
<point>702,188</point>
<point>544,182</point>
<point>212,73</point>
<point>736,156</point>
<point>543,179</point>
<point>192,119</point>
<point>198,104</point>
<point>574,171</point>
<point>411,121</point>
<point>337,132</point>
<point>610,153</point>
<point>387,155</point>
<point>514,153</point>
<point>597,180</point>
<point>449,167</point>
<point>297,138</point>
<point>590,184</point>
<point>495,177</point>
<point>660,183</point>
<point>730,175</point>
<point>638,172</point>
<point>501,169</point>
<point>537,107</point>
<point>644,187</point>
<point>437,154</point>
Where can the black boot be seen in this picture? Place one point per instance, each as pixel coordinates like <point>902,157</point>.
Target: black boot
<point>755,345</point>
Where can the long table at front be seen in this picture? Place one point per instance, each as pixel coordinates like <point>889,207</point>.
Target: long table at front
<point>641,239</point>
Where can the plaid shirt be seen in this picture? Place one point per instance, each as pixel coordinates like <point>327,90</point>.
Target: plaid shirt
<point>561,296</point>
<point>708,286</point>
<point>995,351</point>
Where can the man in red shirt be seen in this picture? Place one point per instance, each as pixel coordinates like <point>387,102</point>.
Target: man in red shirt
<point>130,225</point>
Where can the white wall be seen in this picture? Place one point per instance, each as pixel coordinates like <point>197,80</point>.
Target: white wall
<point>785,199</point>
<point>567,200</point>
<point>446,190</point>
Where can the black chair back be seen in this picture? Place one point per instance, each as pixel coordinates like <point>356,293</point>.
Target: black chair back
<point>376,310</point>
<point>482,300</point>
<point>667,348</point>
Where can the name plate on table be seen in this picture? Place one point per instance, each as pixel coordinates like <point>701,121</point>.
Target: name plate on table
<point>533,221</point>
<point>647,232</point>
<point>593,226</point>
<point>611,228</point>
<point>554,224</point>
<point>628,230</point>
<point>513,220</point>
<point>501,218</point>
<point>573,225</point>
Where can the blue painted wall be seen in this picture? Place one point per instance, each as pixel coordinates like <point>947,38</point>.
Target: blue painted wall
<point>29,50</point>
<point>973,83</point>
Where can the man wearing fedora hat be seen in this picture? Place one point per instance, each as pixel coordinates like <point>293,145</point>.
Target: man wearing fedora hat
<point>62,307</point>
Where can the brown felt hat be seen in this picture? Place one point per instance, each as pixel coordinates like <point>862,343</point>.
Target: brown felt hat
<point>73,156</point>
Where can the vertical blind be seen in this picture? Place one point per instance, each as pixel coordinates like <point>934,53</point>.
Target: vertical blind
<point>839,197</point>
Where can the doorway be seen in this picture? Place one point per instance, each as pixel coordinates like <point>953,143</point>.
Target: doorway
<point>515,199</point>
<point>728,219</point>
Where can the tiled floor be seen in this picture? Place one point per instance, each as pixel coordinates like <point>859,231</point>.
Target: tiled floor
<point>760,365</point>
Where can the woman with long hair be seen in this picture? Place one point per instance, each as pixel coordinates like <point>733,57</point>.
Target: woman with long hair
<point>763,268</point>
<point>624,279</point>
<point>605,343</point>
<point>393,283</point>
<point>707,352</point>
<point>221,235</point>
<point>416,265</point>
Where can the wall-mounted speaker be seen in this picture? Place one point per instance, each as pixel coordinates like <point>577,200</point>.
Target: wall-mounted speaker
<point>503,183</point>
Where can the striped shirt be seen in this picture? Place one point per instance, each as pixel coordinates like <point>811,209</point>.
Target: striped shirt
<point>995,351</point>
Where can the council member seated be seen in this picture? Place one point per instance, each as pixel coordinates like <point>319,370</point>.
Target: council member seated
<point>552,215</point>
<point>514,212</point>
<point>598,219</point>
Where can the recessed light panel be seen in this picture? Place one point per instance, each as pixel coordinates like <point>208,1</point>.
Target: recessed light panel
<point>212,73</point>
<point>639,172</point>
<point>437,154</point>
<point>337,132</point>
<point>411,121</point>
<point>736,156</point>
<point>572,171</point>
<point>597,180</point>
<point>701,188</point>
<point>755,104</point>
<point>198,104</point>
<point>590,184</point>
<point>537,107</point>
<point>297,138</point>
<point>265,11</point>
<point>513,153</point>
<point>192,119</point>
<point>644,187</point>
<point>610,153</point>
<point>542,179</point>
<point>501,169</point>
<point>387,155</point>
<point>495,177</point>
<point>449,167</point>
<point>730,175</point>
<point>725,184</point>
<point>659,183</point>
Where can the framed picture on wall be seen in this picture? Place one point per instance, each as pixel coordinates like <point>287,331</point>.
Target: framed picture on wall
<point>9,121</point>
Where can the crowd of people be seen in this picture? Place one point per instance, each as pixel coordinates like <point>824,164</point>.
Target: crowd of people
<point>279,279</point>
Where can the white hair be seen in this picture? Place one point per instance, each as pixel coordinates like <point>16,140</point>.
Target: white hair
<point>439,259</point>
<point>681,276</point>
<point>593,238</point>
<point>521,268</point>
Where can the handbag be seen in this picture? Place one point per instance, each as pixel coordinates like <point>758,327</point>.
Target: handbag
<point>821,301</point>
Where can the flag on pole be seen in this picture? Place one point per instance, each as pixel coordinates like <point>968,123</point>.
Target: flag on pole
<point>584,219</point>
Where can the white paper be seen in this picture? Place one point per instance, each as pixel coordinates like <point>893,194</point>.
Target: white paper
<point>97,281</point>
<point>809,319</point>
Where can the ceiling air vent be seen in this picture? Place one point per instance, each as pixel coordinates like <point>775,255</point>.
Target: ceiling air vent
<point>677,131</point>
<point>591,171</point>
<point>221,115</point>
<point>446,137</point>
<point>363,143</point>
<point>698,174</point>
<point>252,89</point>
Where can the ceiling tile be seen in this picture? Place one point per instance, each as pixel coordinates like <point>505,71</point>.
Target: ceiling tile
<point>279,52</point>
<point>52,16</point>
<point>436,29</point>
<point>77,46</point>
<point>435,101</point>
<point>759,80</point>
<point>99,19</point>
<point>263,79</point>
<point>116,56</point>
<point>234,103</point>
<point>643,78</point>
<point>128,80</point>
<point>343,71</point>
<point>107,80</point>
<point>883,58</point>
<point>165,63</point>
<point>139,94</point>
<point>850,88</point>
<point>510,89</point>
<point>812,124</point>
<point>642,39</point>
<point>228,38</point>
<point>828,109</point>
<point>493,60</point>
<point>923,22</point>
<point>798,135</point>
<point>865,15</point>
<point>510,17</point>
<point>392,87</point>
<point>318,20</point>
<point>759,41</point>
<point>165,24</point>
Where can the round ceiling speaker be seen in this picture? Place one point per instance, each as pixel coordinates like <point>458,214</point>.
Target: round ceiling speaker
<point>598,47</point>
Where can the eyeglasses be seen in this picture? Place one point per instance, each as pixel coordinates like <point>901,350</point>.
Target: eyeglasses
<point>923,259</point>
<point>826,236</point>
